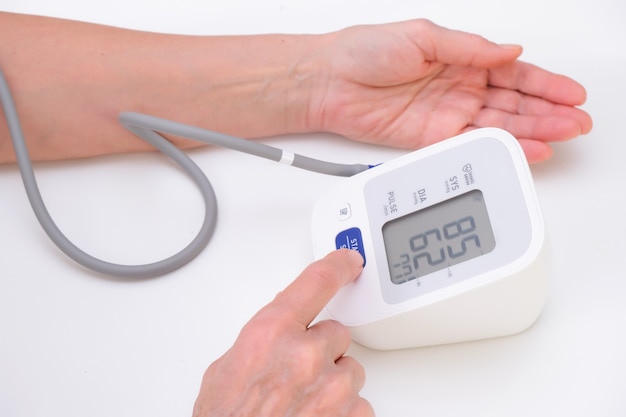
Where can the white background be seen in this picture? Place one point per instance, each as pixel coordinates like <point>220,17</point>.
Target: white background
<point>75,344</point>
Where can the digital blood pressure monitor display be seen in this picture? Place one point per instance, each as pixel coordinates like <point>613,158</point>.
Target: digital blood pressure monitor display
<point>453,242</point>
<point>437,237</point>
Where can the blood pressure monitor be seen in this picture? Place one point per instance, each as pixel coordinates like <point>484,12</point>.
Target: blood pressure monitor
<point>453,241</point>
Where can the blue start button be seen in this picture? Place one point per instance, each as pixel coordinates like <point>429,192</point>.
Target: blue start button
<point>351,239</point>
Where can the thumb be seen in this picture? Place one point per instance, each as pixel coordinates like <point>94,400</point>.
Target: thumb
<point>460,48</point>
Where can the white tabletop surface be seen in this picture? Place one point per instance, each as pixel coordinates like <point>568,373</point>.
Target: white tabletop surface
<point>75,344</point>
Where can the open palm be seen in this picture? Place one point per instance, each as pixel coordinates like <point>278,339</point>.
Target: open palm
<point>422,83</point>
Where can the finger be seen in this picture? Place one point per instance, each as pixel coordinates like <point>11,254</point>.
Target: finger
<point>542,128</point>
<point>354,369</point>
<point>305,297</point>
<point>515,102</point>
<point>461,48</point>
<point>538,82</point>
<point>333,337</point>
<point>362,408</point>
<point>535,151</point>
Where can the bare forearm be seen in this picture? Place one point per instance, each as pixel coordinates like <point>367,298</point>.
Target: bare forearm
<point>70,80</point>
<point>405,84</point>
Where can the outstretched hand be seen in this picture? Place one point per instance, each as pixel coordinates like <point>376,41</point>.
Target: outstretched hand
<point>413,83</point>
<point>281,365</point>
